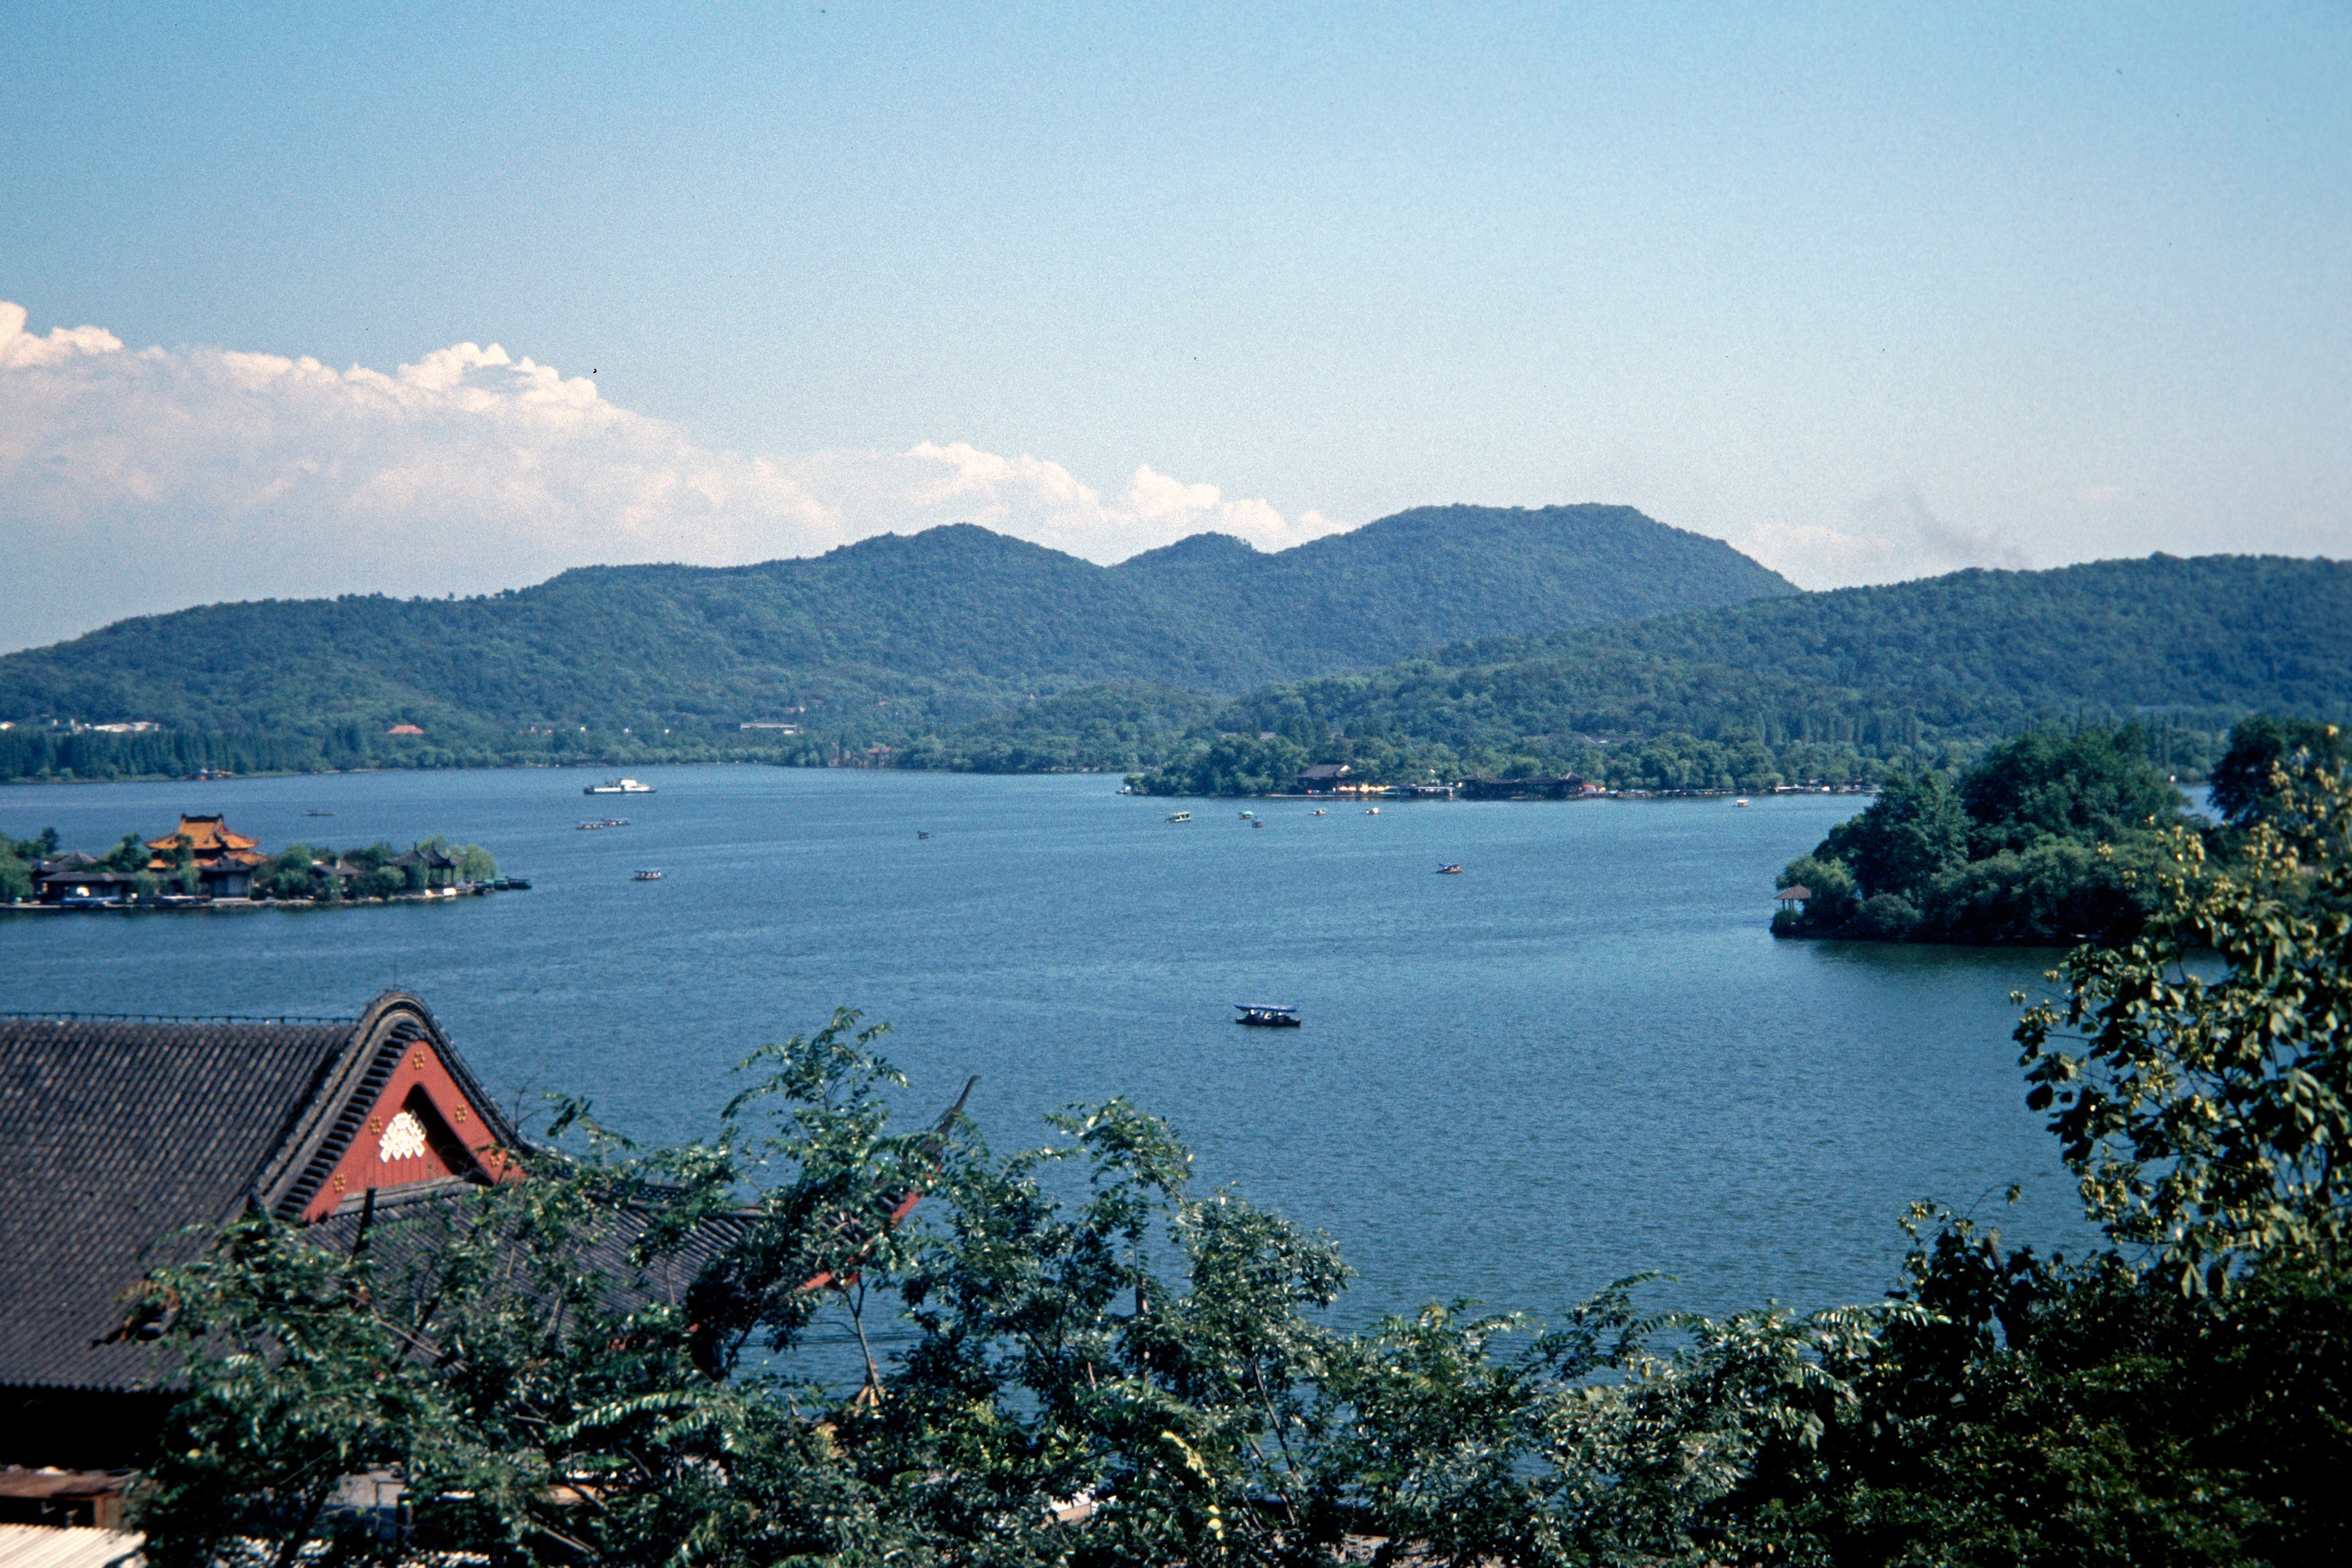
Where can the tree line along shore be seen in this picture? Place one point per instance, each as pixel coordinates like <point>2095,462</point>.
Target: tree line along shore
<point>1446,646</point>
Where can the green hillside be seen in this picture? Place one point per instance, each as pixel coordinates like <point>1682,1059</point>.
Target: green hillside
<point>1827,685</point>
<point>879,640</point>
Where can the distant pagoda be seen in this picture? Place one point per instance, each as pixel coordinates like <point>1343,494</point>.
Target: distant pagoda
<point>224,862</point>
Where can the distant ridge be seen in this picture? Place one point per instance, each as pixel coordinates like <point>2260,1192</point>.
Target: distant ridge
<point>1896,673</point>
<point>890,633</point>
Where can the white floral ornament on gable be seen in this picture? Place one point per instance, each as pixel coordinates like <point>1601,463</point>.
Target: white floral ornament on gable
<point>403,1139</point>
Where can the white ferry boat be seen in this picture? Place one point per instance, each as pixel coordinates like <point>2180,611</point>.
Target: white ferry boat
<point>619,787</point>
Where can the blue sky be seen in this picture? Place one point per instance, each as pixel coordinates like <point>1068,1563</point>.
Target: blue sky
<point>1870,292</point>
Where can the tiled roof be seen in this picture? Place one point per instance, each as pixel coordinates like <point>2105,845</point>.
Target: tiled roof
<point>406,1230</point>
<point>44,1546</point>
<point>115,1135</point>
<point>206,835</point>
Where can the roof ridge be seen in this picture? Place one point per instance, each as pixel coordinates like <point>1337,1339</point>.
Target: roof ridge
<point>50,1015</point>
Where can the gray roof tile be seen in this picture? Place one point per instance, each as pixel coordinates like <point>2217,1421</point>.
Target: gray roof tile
<point>119,1136</point>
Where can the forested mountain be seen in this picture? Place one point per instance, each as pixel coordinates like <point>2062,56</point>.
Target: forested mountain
<point>901,633</point>
<point>1817,684</point>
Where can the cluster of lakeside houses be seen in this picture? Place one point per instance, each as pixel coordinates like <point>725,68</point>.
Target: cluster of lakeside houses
<point>1333,778</point>
<point>202,862</point>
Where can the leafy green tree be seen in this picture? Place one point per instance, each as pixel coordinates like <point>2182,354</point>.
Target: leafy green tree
<point>1834,902</point>
<point>2242,780</point>
<point>39,848</point>
<point>292,872</point>
<point>2058,890</point>
<point>130,854</point>
<point>2090,785</point>
<point>1914,830</point>
<point>2209,1115</point>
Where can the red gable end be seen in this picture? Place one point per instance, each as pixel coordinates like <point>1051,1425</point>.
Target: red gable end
<point>422,1128</point>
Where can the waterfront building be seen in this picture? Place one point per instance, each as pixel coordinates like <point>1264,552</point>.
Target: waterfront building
<point>224,862</point>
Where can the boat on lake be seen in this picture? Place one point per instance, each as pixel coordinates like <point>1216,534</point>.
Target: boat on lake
<point>1372,811</point>
<point>1262,1016</point>
<point>608,822</point>
<point>619,787</point>
<point>1450,868</point>
<point>1181,817</point>
<point>647,876</point>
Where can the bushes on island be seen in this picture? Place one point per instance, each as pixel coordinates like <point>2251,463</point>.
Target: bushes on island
<point>2053,837</point>
<point>298,871</point>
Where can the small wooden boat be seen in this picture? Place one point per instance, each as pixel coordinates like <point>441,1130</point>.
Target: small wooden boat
<point>1260,1015</point>
<point>1320,812</point>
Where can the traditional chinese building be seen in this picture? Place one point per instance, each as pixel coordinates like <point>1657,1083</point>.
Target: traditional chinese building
<point>224,862</point>
<point>124,1143</point>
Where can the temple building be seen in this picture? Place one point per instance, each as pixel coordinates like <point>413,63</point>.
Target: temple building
<point>124,1143</point>
<point>224,862</point>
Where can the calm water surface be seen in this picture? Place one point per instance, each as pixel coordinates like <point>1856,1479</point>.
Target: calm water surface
<point>1582,1058</point>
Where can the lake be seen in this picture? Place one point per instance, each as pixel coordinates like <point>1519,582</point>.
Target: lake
<point>1581,1058</point>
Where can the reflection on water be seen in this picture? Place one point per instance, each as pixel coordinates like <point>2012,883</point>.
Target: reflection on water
<point>1581,1058</point>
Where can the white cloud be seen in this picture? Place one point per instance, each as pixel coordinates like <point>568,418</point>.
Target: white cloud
<point>18,347</point>
<point>1889,537</point>
<point>135,482</point>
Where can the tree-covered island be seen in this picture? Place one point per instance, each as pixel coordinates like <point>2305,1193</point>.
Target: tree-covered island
<point>202,862</point>
<point>2054,837</point>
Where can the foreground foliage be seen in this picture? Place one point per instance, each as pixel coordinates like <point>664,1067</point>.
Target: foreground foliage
<point>617,1358</point>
